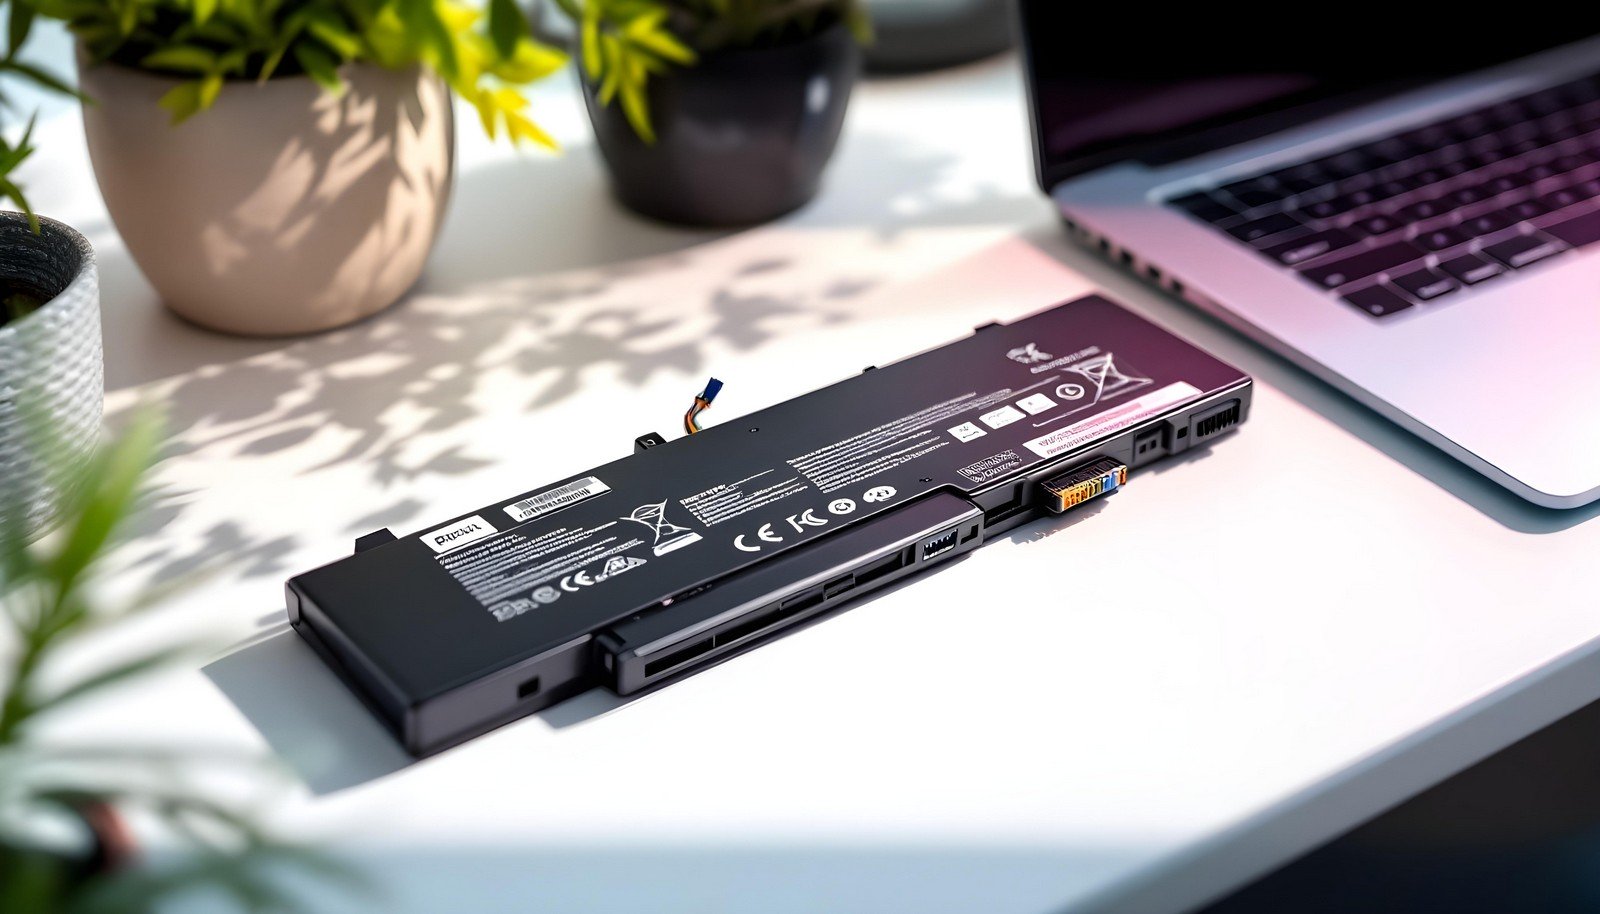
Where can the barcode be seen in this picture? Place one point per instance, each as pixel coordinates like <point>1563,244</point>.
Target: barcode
<point>554,499</point>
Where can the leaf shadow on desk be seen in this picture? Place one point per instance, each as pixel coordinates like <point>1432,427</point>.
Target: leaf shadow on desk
<point>1401,446</point>
<point>496,308</point>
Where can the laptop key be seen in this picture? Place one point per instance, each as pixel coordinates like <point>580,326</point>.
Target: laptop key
<point>1505,183</point>
<point>1439,239</point>
<point>1563,198</point>
<point>1265,227</point>
<point>1377,301</point>
<point>1425,284</point>
<point>1578,231</point>
<point>1205,207</point>
<point>1470,269</point>
<point>1524,250</point>
<point>1485,223</point>
<point>1525,209</point>
<point>1304,248</point>
<point>1378,224</point>
<point>1425,209</point>
<point>1466,196</point>
<point>1360,265</point>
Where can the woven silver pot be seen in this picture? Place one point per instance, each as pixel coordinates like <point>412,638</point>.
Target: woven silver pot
<point>52,379</point>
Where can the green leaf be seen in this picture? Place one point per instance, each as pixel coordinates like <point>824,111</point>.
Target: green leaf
<point>14,193</point>
<point>319,66</point>
<point>421,18</point>
<point>637,110</point>
<point>184,58</point>
<point>488,114</point>
<point>15,154</point>
<point>210,88</point>
<point>521,128</point>
<point>531,62</point>
<point>183,100</point>
<point>593,63</point>
<point>108,495</point>
<point>331,31</point>
<point>45,78</point>
<point>128,18</point>
<point>19,25</point>
<point>203,10</point>
<point>233,61</point>
<point>507,25</point>
<point>667,46</point>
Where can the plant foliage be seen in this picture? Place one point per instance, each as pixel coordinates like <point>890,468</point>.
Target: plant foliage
<point>20,16</point>
<point>484,55</point>
<point>626,42</point>
<point>47,610</point>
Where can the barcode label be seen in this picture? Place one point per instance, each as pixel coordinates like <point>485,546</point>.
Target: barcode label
<point>556,499</point>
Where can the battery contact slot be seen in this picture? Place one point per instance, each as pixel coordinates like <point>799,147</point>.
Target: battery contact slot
<point>773,614</point>
<point>677,657</point>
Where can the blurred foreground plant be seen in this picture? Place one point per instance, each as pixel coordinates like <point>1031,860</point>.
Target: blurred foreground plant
<point>65,845</point>
<point>19,16</point>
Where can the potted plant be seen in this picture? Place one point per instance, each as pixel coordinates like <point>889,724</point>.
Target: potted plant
<point>51,375</point>
<point>717,112</point>
<point>283,166</point>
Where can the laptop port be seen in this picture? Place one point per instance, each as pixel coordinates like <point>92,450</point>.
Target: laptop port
<point>1214,421</point>
<point>940,544</point>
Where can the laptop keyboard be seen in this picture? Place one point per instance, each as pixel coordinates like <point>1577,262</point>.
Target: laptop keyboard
<point>1414,218</point>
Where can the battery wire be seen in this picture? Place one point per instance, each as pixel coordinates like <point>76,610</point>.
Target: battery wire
<point>702,402</point>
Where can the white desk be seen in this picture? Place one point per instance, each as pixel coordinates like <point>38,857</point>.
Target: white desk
<point>1239,655</point>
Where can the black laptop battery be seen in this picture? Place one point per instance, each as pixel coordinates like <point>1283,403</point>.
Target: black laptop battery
<point>687,552</point>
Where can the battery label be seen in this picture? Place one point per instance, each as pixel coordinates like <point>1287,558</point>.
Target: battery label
<point>556,499</point>
<point>461,533</point>
<point>1112,420</point>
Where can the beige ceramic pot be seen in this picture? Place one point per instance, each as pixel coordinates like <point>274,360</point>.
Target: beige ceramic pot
<point>282,209</point>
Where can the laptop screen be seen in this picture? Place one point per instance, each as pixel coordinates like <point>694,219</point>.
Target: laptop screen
<point>1176,80</point>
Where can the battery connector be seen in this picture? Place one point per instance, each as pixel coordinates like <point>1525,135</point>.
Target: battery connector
<point>1091,480</point>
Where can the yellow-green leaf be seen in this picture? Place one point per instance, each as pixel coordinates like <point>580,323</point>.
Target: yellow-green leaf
<point>637,110</point>
<point>181,57</point>
<point>183,100</point>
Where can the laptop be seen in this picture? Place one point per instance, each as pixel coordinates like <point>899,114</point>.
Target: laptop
<point>1407,206</point>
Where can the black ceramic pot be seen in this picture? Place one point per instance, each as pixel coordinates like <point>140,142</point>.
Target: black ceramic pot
<point>741,137</point>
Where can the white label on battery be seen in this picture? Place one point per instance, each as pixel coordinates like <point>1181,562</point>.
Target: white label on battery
<point>1001,417</point>
<point>458,534</point>
<point>1111,421</point>
<point>555,499</point>
<point>966,431</point>
<point>1035,404</point>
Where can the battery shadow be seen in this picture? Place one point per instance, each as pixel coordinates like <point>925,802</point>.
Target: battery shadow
<point>313,723</point>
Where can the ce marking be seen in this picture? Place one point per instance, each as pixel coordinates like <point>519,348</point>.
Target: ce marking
<point>572,582</point>
<point>765,534</point>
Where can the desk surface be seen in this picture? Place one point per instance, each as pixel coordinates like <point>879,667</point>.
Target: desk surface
<point>1144,725</point>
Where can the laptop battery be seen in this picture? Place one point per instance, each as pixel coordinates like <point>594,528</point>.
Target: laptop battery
<point>690,551</point>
